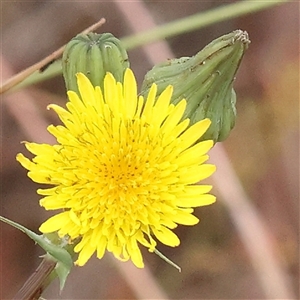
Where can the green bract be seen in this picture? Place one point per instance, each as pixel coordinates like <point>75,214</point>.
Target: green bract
<point>57,249</point>
<point>205,81</point>
<point>93,55</point>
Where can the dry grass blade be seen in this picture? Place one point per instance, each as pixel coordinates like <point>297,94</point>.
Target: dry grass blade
<point>13,81</point>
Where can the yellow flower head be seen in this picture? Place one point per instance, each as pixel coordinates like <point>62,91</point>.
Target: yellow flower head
<point>124,170</point>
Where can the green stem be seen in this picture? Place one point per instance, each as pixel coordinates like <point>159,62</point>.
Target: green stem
<point>197,21</point>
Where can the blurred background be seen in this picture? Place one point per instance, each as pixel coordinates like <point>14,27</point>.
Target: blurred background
<point>220,257</point>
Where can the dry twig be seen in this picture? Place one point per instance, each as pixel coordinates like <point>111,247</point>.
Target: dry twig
<point>13,81</point>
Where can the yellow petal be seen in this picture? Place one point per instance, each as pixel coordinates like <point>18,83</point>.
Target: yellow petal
<point>101,247</point>
<point>194,155</point>
<point>134,252</point>
<point>166,236</point>
<point>86,89</point>
<point>195,200</point>
<point>85,254</point>
<point>161,106</point>
<point>52,202</point>
<point>148,109</point>
<point>25,162</point>
<point>196,174</point>
<point>130,93</point>
<point>185,218</point>
<point>192,134</point>
<point>174,117</point>
<point>55,223</point>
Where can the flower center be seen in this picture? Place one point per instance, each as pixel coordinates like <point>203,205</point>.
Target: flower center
<point>125,165</point>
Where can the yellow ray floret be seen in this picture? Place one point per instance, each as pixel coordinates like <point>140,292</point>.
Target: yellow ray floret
<point>125,169</point>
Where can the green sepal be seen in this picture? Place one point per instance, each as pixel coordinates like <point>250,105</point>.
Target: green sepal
<point>58,249</point>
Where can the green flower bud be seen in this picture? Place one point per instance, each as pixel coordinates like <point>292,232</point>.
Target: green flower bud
<point>93,54</point>
<point>205,81</point>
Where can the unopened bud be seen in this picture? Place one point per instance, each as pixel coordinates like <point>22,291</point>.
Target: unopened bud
<point>205,81</point>
<point>93,55</point>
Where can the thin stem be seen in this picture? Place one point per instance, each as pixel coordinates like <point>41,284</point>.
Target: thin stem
<point>167,260</point>
<point>38,281</point>
<point>197,21</point>
<point>43,63</point>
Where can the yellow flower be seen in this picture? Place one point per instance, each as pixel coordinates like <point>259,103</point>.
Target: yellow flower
<point>124,170</point>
